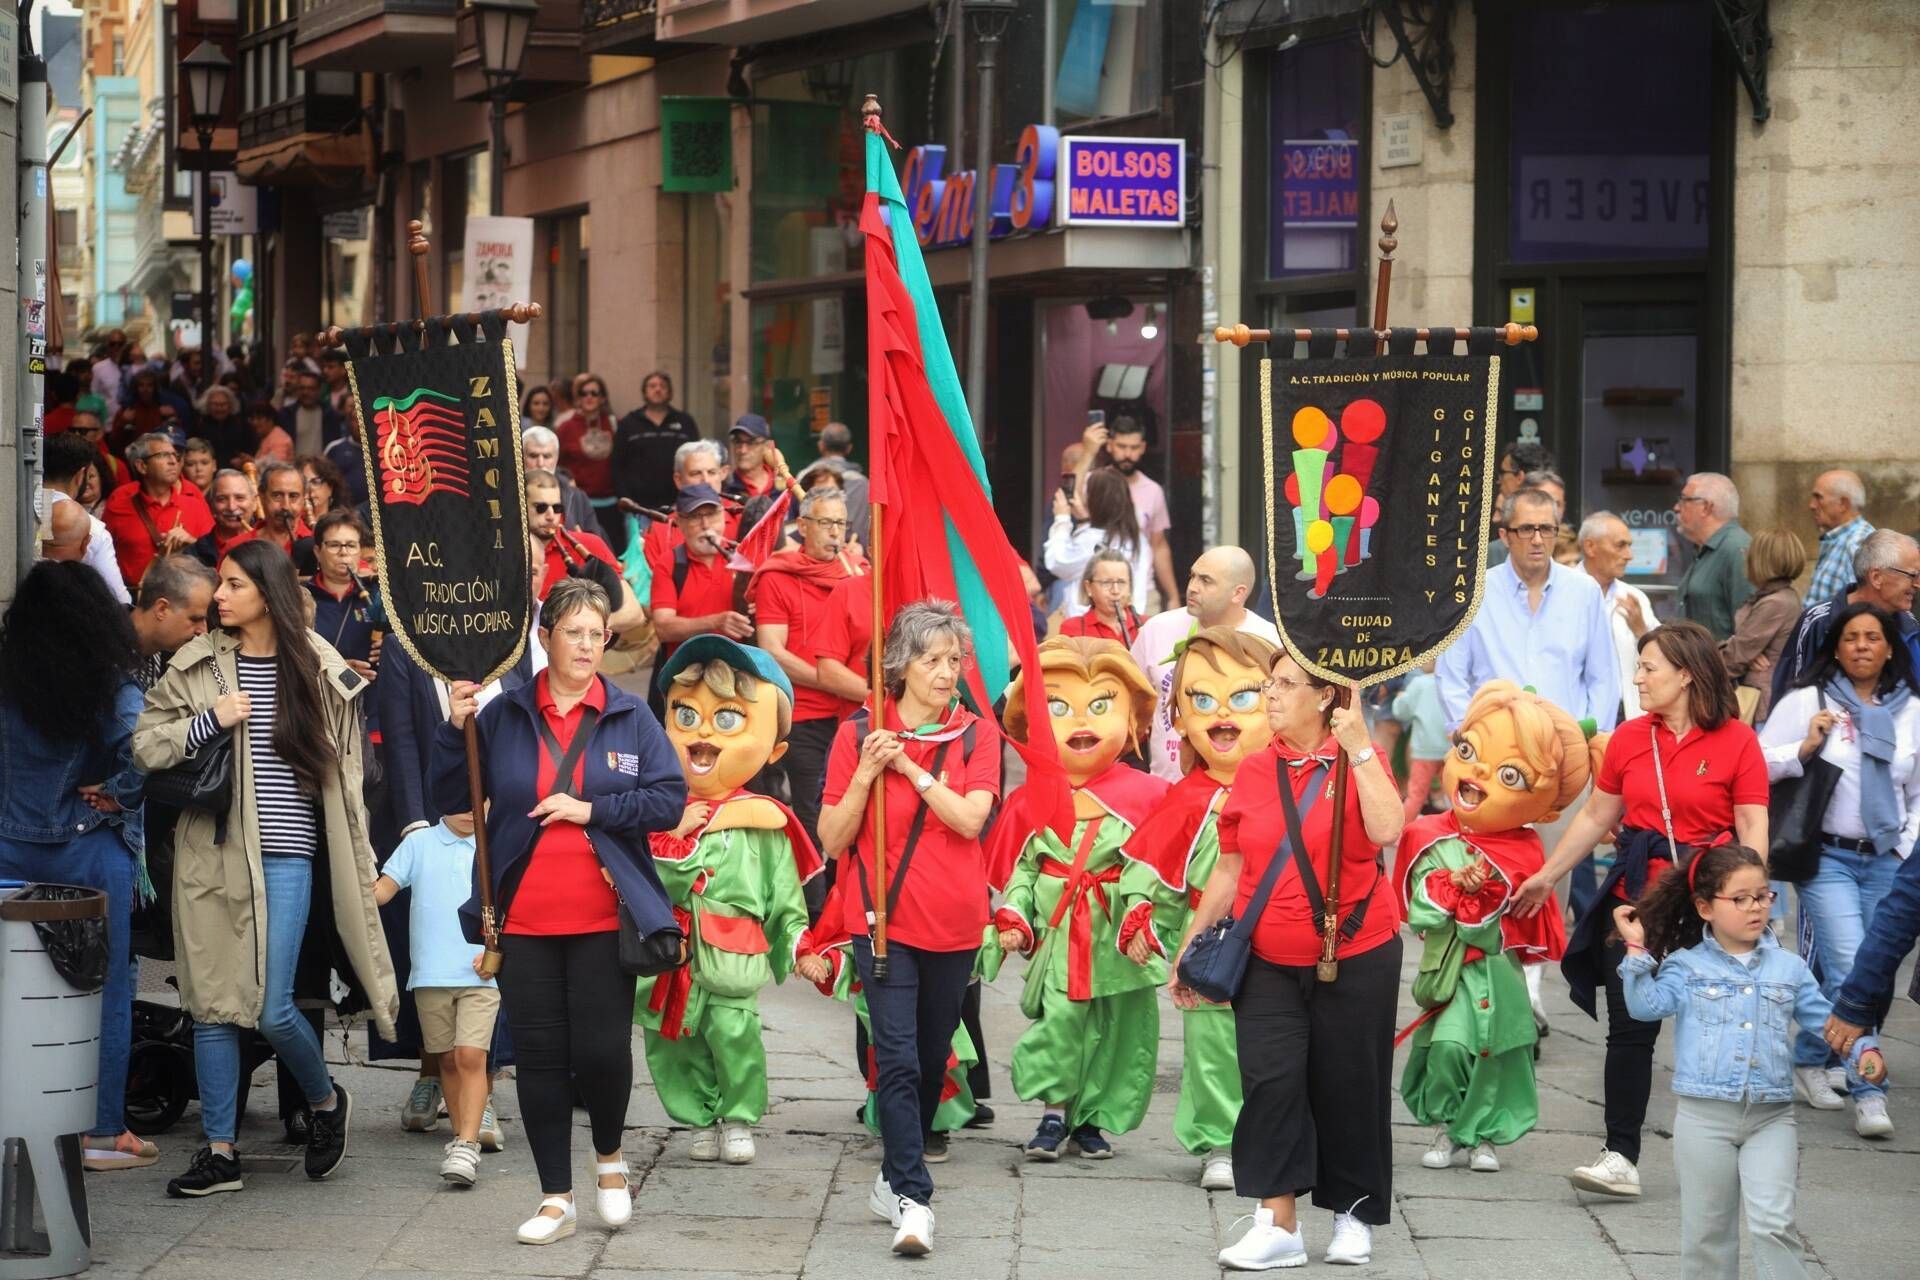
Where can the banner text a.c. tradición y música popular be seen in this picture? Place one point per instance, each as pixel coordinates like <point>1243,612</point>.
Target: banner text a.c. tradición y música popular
<point>1380,484</point>
<point>440,431</point>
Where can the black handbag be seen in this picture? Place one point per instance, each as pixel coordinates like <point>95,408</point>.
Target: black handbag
<point>1796,810</point>
<point>1215,962</point>
<point>204,780</point>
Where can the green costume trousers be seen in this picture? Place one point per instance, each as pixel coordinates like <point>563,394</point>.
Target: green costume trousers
<point>1209,1080</point>
<point>1097,1056</point>
<point>715,1073</point>
<point>1490,1099</point>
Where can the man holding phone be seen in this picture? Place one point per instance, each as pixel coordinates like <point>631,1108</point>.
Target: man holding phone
<point>1122,446</point>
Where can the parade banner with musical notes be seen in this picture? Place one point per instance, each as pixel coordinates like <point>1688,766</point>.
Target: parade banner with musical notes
<point>439,419</point>
<point>1380,484</point>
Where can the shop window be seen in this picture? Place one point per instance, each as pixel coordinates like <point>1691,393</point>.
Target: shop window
<point>568,239</point>
<point>1611,131</point>
<point>1316,119</point>
<point>468,180</point>
<point>709,312</point>
<point>1108,59</point>
<point>345,266</point>
<point>1093,358</point>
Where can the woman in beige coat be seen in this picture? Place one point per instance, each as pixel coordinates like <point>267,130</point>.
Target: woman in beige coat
<point>244,881</point>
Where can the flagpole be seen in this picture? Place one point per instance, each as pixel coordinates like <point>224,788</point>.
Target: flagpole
<point>877,797</point>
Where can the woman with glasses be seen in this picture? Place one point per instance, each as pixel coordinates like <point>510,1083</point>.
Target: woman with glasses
<point>325,488</point>
<point>579,775</point>
<point>1106,519</point>
<point>586,449</point>
<point>1316,1058</point>
<point>1684,775</point>
<point>1855,707</point>
<point>1107,589</point>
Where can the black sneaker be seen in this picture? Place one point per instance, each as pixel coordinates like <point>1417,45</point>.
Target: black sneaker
<point>982,1117</point>
<point>935,1150</point>
<point>299,1128</point>
<point>209,1174</point>
<point>1092,1143</point>
<point>1046,1140</point>
<point>328,1145</point>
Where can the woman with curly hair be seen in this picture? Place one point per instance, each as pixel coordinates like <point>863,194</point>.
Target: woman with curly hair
<point>69,793</point>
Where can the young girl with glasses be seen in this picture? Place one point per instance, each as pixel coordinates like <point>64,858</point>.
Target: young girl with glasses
<point>1699,951</point>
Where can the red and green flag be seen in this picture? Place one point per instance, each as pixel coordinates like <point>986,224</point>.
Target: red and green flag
<point>942,535</point>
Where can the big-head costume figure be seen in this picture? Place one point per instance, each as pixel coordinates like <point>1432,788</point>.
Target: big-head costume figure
<point>1517,759</point>
<point>734,868</point>
<point>1220,711</point>
<point>1091,1051</point>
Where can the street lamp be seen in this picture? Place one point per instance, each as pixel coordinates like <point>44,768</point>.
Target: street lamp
<point>501,27</point>
<point>987,22</point>
<point>207,70</point>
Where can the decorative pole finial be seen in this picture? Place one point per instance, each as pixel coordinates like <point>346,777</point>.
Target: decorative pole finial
<point>1389,223</point>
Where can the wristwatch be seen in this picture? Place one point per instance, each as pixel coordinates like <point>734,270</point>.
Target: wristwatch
<point>1361,756</point>
<point>924,783</point>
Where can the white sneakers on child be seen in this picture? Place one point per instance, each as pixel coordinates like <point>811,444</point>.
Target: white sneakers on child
<point>913,1238</point>
<point>881,1200</point>
<point>736,1144</point>
<point>542,1229</point>
<point>490,1136</point>
<point>1611,1175</point>
<point>1817,1090</point>
<point>706,1145</point>
<point>1444,1153</point>
<point>1216,1171</point>
<point>1265,1247</point>
<point>613,1204</point>
<point>1484,1160</point>
<point>1870,1118</point>
<point>461,1164</point>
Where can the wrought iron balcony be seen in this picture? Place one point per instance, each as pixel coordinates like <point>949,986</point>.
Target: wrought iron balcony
<point>373,35</point>
<point>622,27</point>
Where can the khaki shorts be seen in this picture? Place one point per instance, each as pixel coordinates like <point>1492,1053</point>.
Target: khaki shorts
<point>453,1017</point>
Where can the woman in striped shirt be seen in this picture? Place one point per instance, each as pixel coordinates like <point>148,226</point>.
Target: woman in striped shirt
<point>244,880</point>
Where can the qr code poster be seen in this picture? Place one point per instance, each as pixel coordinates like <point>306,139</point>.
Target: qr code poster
<point>697,136</point>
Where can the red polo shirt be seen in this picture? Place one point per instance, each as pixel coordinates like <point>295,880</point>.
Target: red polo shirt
<point>845,631</point>
<point>563,890</point>
<point>709,589</point>
<point>943,901</point>
<point>558,560</point>
<point>800,605</point>
<point>1089,625</point>
<point>662,536</point>
<point>1252,825</point>
<point>126,515</point>
<point>1708,772</point>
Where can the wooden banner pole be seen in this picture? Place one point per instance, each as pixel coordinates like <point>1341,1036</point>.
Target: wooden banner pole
<point>877,798</point>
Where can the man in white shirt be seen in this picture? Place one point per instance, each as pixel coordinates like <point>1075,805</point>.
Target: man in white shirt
<point>107,371</point>
<point>1217,591</point>
<point>82,536</point>
<point>1606,546</point>
<point>1126,446</point>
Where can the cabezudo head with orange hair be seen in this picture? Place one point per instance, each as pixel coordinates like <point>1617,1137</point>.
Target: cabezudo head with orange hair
<point>1099,699</point>
<point>1516,759</point>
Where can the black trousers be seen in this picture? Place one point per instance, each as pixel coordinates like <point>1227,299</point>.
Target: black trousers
<point>1629,1070</point>
<point>805,770</point>
<point>913,1013</point>
<point>571,1012</point>
<point>1316,1069</point>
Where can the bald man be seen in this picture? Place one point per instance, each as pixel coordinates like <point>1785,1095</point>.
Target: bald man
<point>1838,503</point>
<point>1217,590</point>
<point>75,537</point>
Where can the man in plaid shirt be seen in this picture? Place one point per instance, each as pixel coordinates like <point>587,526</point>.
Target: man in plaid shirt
<point>1837,501</point>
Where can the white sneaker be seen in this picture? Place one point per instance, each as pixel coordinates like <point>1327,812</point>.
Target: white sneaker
<point>914,1238</point>
<point>881,1200</point>
<point>490,1136</point>
<point>1837,1079</point>
<point>1216,1172</point>
<point>737,1144</point>
<point>1484,1160</point>
<point>706,1145</point>
<point>613,1204</point>
<point>1611,1175</point>
<point>1870,1118</point>
<point>1265,1247</point>
<point>461,1166</point>
<point>541,1229</point>
<point>1444,1153</point>
<point>1352,1243</point>
<point>1813,1088</point>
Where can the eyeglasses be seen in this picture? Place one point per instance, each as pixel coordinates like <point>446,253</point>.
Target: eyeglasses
<point>1908,574</point>
<point>156,455</point>
<point>1532,532</point>
<point>585,393</point>
<point>1110,584</point>
<point>1688,497</point>
<point>581,638</point>
<point>1508,470</point>
<point>342,548</point>
<point>544,508</point>
<point>1273,683</point>
<point>829,525</point>
<point>1748,901</point>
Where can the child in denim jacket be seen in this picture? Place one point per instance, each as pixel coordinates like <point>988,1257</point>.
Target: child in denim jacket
<point>1699,951</point>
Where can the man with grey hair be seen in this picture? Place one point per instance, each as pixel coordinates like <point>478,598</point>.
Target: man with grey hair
<point>1885,569</point>
<point>172,608</point>
<point>1217,590</point>
<point>1838,503</point>
<point>836,455</point>
<point>1606,548</point>
<point>695,462</point>
<point>158,515</point>
<point>1715,584</point>
<point>1549,482</point>
<point>541,450</point>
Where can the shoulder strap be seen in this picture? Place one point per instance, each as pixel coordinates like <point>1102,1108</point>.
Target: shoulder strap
<point>913,838</point>
<point>682,566</point>
<point>1660,779</point>
<point>1243,927</point>
<point>564,762</point>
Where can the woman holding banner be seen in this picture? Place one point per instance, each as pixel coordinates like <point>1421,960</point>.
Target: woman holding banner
<point>579,774</point>
<point>1316,1058</point>
<point>940,767</point>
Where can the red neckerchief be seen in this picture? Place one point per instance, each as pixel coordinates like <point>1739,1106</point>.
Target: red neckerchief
<point>798,564</point>
<point>1518,854</point>
<point>1164,842</point>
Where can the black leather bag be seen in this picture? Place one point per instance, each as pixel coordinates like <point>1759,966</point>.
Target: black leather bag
<point>648,955</point>
<point>1215,962</point>
<point>204,780</point>
<point>1796,810</point>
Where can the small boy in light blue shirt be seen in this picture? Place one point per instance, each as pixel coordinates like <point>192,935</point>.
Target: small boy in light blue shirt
<point>457,1006</point>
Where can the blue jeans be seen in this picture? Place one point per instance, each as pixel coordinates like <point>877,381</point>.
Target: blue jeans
<point>913,1015</point>
<point>97,860</point>
<point>1840,901</point>
<point>216,1045</point>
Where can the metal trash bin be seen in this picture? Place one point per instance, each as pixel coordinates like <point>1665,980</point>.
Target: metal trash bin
<point>49,1077</point>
